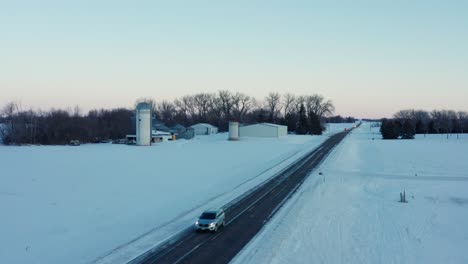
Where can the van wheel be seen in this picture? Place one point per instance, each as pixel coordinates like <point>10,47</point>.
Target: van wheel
<point>216,228</point>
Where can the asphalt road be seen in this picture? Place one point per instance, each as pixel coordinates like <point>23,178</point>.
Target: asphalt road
<point>244,217</point>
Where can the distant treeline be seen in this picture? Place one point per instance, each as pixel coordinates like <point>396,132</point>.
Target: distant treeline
<point>302,114</point>
<point>58,127</point>
<point>406,123</point>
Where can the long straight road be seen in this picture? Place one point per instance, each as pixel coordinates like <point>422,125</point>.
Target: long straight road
<point>244,217</point>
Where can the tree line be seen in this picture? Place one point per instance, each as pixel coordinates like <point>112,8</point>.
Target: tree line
<point>58,127</point>
<point>406,123</point>
<point>301,114</point>
<point>220,108</point>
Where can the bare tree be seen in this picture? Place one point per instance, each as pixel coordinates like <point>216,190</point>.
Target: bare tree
<point>10,113</point>
<point>442,120</point>
<point>404,114</point>
<point>288,103</point>
<point>463,117</point>
<point>291,115</point>
<point>422,119</point>
<point>316,105</point>
<point>453,121</point>
<point>326,108</point>
<point>241,104</point>
<point>436,117</point>
<point>203,103</point>
<point>186,108</point>
<point>224,103</point>
<point>167,112</point>
<point>300,101</point>
<point>9,109</point>
<point>419,118</point>
<point>273,105</point>
<point>76,111</point>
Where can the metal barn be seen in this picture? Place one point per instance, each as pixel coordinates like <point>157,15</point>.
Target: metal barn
<point>263,130</point>
<point>204,129</point>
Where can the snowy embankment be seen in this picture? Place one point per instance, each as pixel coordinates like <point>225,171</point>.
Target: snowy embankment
<point>351,214</point>
<point>63,204</point>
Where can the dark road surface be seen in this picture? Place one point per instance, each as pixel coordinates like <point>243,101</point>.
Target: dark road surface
<point>244,217</point>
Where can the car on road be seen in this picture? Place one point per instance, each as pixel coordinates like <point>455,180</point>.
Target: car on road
<point>211,220</point>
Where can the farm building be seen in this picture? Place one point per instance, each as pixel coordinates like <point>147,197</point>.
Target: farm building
<point>178,128</point>
<point>160,126</point>
<point>182,132</point>
<point>159,136</point>
<point>263,130</point>
<point>156,136</point>
<point>204,129</point>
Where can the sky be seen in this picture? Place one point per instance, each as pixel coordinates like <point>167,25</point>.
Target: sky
<point>371,58</point>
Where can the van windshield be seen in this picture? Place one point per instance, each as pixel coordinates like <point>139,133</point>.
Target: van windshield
<point>208,216</point>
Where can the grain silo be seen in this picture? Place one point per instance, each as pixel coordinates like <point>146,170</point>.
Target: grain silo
<point>233,130</point>
<point>143,124</point>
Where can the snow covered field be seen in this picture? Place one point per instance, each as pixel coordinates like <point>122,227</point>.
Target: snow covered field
<point>351,214</point>
<point>110,203</point>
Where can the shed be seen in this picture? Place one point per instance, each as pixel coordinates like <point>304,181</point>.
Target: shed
<point>156,136</point>
<point>263,130</point>
<point>159,136</point>
<point>204,129</point>
<point>178,127</point>
<point>160,126</point>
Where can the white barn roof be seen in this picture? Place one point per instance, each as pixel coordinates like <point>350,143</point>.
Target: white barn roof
<point>160,133</point>
<point>270,124</point>
<point>205,125</point>
<point>204,129</point>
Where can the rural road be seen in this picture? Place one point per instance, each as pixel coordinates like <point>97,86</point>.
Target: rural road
<point>244,218</point>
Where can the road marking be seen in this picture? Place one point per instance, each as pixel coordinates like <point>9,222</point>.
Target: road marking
<point>216,236</point>
<point>188,253</point>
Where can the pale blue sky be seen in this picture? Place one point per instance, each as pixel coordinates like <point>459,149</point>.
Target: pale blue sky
<point>372,58</point>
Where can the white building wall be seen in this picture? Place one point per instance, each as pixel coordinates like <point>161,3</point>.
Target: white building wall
<point>263,130</point>
<point>282,131</point>
<point>202,129</point>
<point>258,130</point>
<point>233,131</point>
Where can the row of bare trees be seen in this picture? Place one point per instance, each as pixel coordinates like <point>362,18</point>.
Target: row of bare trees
<point>219,108</point>
<point>436,121</point>
<point>302,114</point>
<point>57,127</point>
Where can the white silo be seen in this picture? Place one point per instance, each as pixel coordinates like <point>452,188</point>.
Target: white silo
<point>143,124</point>
<point>233,130</point>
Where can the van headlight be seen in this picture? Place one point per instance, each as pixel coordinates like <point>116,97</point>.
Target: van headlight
<point>196,223</point>
<point>212,224</point>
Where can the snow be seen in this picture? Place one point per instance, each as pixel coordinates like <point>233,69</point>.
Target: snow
<point>108,203</point>
<point>351,214</point>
